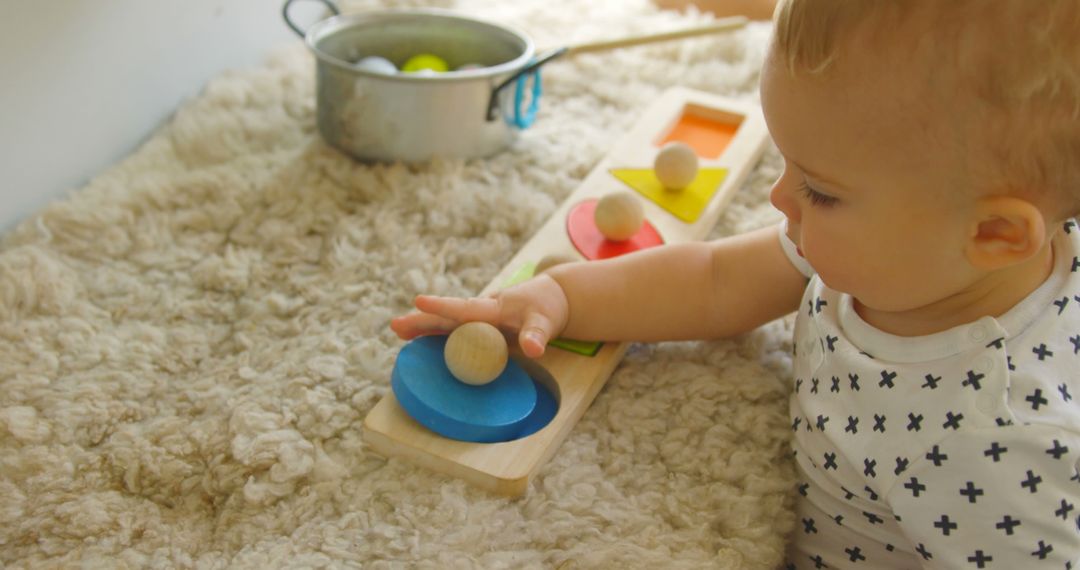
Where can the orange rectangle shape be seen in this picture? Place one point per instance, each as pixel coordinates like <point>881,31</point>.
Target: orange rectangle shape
<point>707,135</point>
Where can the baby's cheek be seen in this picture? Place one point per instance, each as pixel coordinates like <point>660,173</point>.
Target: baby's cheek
<point>848,268</point>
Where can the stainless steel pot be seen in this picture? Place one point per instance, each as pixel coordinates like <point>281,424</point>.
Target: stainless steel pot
<point>412,117</point>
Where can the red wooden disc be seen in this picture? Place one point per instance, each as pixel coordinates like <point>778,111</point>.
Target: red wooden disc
<point>592,244</point>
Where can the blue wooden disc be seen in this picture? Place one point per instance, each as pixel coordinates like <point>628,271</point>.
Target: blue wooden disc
<point>427,390</point>
<point>546,408</point>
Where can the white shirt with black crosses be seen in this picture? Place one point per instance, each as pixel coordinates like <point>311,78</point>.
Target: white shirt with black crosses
<point>959,449</point>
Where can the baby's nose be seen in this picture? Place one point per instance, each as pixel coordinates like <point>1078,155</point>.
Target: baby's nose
<point>782,199</point>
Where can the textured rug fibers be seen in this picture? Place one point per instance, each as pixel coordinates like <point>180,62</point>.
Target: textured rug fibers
<point>189,344</point>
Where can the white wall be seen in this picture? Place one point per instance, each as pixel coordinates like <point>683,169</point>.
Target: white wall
<point>84,82</point>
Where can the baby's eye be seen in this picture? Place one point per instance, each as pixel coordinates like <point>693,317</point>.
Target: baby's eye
<point>817,198</point>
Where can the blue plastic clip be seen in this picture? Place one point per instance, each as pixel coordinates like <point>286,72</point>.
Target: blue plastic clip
<point>524,119</point>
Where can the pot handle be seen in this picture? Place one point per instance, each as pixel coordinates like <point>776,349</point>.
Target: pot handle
<point>533,66</point>
<point>285,14</point>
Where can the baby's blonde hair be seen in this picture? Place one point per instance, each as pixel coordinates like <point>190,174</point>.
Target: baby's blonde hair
<point>1015,63</point>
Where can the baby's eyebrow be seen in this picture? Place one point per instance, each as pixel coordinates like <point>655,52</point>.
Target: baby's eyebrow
<point>815,176</point>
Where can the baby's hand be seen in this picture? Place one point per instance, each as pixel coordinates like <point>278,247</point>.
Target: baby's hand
<point>536,310</point>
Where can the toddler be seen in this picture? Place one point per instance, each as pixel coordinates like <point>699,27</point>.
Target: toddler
<point>932,174</point>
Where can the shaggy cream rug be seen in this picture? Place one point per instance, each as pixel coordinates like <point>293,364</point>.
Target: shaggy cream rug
<point>190,343</point>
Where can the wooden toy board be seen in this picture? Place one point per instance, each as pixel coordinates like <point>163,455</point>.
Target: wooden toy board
<point>507,468</point>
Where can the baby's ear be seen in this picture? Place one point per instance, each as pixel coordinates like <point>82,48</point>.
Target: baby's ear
<point>1004,231</point>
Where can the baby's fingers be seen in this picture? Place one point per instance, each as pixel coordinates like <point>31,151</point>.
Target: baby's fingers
<point>461,310</point>
<point>410,326</point>
<point>535,333</point>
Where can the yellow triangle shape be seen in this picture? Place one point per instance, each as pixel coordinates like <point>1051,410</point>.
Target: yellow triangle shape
<point>686,204</point>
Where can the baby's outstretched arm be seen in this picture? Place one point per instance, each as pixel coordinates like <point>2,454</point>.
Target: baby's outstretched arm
<point>535,309</point>
<point>685,291</point>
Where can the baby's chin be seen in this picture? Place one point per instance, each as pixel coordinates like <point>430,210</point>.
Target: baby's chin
<point>868,298</point>
<point>835,282</point>
<point>876,307</point>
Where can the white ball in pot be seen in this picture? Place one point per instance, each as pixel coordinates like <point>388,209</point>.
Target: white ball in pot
<point>376,64</point>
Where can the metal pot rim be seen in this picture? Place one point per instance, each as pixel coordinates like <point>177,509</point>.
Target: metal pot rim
<point>330,25</point>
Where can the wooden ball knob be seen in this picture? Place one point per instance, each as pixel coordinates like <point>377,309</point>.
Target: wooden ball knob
<point>476,353</point>
<point>619,216</point>
<point>676,165</point>
<point>551,260</point>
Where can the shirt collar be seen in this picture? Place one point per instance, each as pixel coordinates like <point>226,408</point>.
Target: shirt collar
<point>979,334</point>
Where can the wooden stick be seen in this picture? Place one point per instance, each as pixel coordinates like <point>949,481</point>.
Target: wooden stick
<point>722,25</point>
